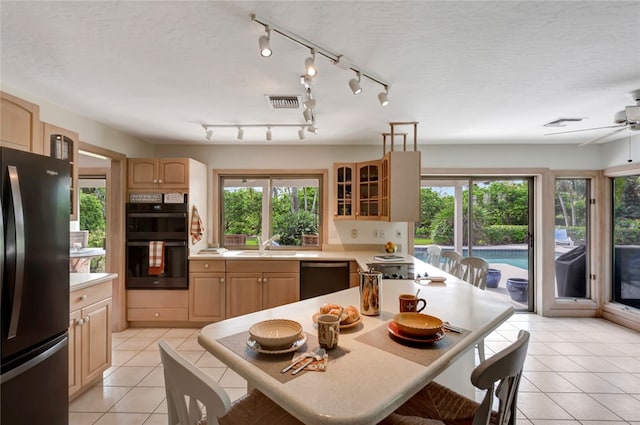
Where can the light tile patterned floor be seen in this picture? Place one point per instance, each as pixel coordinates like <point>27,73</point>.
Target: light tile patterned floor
<point>577,372</point>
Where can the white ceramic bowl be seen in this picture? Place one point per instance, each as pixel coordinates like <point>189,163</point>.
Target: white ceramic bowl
<point>276,333</point>
<point>417,324</point>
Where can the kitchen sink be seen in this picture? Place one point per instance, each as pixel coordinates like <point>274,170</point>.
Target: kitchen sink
<point>266,254</point>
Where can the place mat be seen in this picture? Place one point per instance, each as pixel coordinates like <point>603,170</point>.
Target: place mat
<point>423,354</point>
<point>274,363</point>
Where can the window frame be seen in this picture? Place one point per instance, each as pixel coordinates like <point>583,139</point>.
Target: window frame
<point>217,197</point>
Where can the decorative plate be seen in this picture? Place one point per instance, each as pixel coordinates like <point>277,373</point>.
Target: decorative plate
<point>437,278</point>
<point>348,326</point>
<point>252,344</point>
<point>395,331</point>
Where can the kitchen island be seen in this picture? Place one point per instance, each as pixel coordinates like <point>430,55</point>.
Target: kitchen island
<point>366,382</point>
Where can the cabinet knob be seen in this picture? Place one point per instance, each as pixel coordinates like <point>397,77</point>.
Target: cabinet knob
<point>259,280</point>
<point>83,297</point>
<point>155,180</point>
<point>156,314</point>
<point>206,265</point>
<point>265,280</point>
<point>222,280</point>
<point>80,322</point>
<point>160,181</point>
<point>86,320</point>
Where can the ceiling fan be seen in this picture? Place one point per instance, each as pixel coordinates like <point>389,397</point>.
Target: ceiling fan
<point>628,118</point>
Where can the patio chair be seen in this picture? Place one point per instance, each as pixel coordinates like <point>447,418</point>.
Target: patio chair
<point>562,238</point>
<point>451,263</point>
<point>188,387</point>
<point>439,405</point>
<point>433,255</point>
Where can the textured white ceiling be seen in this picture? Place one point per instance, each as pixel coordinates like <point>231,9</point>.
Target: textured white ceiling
<point>469,72</point>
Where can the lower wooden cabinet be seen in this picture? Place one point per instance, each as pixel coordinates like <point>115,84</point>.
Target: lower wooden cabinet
<point>157,305</point>
<point>206,290</point>
<point>255,285</point>
<point>89,336</point>
<point>354,274</point>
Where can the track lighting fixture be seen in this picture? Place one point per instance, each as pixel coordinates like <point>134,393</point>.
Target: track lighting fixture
<point>264,43</point>
<point>383,97</point>
<point>309,103</point>
<point>308,116</point>
<point>208,128</point>
<point>354,84</point>
<point>310,69</point>
<point>312,129</point>
<point>339,60</point>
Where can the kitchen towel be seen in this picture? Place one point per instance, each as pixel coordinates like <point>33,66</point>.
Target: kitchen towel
<point>156,258</point>
<point>197,228</point>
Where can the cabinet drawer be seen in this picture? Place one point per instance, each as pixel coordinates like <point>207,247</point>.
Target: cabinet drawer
<point>158,314</point>
<point>157,299</point>
<point>258,266</point>
<point>89,295</point>
<point>205,266</point>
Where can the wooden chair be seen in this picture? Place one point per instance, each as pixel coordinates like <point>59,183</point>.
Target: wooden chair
<point>188,387</point>
<point>451,263</point>
<point>436,404</point>
<point>433,255</point>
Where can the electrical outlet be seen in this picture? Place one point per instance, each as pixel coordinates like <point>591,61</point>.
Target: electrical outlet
<point>375,234</point>
<point>354,233</point>
<point>398,233</point>
<point>381,233</point>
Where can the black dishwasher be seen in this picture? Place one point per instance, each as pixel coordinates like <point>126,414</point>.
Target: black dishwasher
<point>323,277</point>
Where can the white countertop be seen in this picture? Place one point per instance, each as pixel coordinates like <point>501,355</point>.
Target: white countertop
<point>367,384</point>
<point>83,280</point>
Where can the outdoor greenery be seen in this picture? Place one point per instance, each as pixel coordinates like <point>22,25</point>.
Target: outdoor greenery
<point>627,210</point>
<point>294,212</point>
<point>92,218</point>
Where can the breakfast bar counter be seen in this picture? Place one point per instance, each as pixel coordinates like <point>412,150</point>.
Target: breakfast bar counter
<point>364,381</point>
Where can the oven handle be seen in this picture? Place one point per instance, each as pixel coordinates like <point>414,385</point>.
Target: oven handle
<point>173,243</point>
<point>157,215</point>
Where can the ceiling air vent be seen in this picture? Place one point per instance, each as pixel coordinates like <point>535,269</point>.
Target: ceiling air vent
<point>562,122</point>
<point>283,102</point>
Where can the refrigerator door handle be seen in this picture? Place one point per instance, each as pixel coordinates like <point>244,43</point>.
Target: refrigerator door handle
<point>18,214</point>
<point>34,361</point>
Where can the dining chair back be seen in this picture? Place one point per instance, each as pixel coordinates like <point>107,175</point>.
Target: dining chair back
<point>451,263</point>
<point>188,387</point>
<point>433,255</point>
<point>474,271</point>
<point>499,376</point>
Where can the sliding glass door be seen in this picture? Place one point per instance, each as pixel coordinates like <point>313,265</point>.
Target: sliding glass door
<point>483,217</point>
<point>626,240</point>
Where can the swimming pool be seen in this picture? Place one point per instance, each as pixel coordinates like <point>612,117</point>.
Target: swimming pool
<point>515,257</point>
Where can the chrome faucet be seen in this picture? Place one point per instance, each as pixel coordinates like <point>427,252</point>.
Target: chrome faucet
<point>268,243</point>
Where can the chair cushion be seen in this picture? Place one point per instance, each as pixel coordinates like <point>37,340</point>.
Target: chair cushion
<point>395,419</point>
<point>438,402</point>
<point>256,408</point>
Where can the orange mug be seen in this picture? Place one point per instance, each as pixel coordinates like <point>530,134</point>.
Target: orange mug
<point>410,303</point>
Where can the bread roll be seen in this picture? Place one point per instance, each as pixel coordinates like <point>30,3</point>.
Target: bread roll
<point>326,308</point>
<point>352,315</point>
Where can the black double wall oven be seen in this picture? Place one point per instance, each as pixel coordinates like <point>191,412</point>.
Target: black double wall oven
<point>157,222</point>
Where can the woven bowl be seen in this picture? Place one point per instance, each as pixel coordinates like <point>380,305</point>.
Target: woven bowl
<point>417,324</point>
<point>275,334</point>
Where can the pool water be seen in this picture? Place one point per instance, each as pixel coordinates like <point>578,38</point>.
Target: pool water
<point>515,257</point>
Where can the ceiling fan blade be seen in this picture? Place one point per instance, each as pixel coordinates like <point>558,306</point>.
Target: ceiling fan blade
<point>597,139</point>
<point>586,129</point>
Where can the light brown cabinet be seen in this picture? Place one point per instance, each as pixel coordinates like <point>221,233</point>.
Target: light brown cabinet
<point>356,190</point>
<point>20,124</point>
<point>354,274</point>
<point>63,144</point>
<point>157,305</point>
<point>206,290</point>
<point>400,186</point>
<point>89,336</point>
<point>158,173</point>
<point>255,285</point>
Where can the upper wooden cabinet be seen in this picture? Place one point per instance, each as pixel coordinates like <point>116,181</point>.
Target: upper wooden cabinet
<point>357,187</point>
<point>158,173</point>
<point>20,126</point>
<point>400,186</point>
<point>63,144</point>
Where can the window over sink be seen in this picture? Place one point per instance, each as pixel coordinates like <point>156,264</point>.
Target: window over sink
<point>281,210</point>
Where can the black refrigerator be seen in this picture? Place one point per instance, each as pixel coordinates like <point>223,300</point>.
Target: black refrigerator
<point>34,291</point>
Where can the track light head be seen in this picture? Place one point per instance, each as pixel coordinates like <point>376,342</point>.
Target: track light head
<point>308,116</point>
<point>310,69</point>
<point>309,104</point>
<point>263,43</point>
<point>209,134</point>
<point>312,129</point>
<point>301,133</point>
<point>240,133</point>
<point>354,84</point>
<point>383,97</point>
<point>269,133</point>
